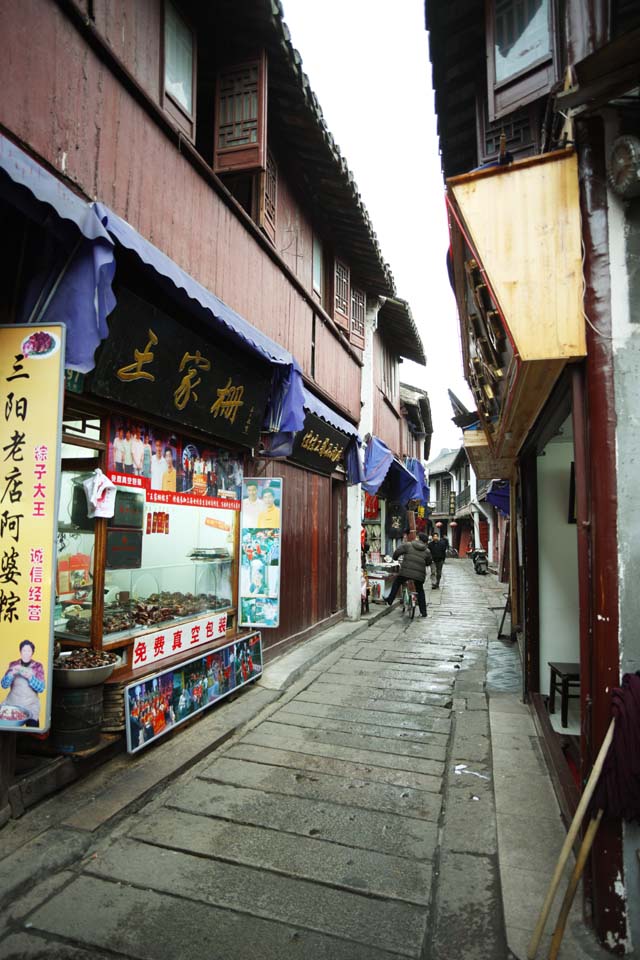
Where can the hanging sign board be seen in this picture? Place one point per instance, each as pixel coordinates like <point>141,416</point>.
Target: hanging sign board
<point>156,365</point>
<point>319,446</point>
<point>32,388</point>
<point>260,551</point>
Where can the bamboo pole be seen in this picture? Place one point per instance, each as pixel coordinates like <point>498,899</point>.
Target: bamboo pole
<point>585,799</point>
<point>585,848</point>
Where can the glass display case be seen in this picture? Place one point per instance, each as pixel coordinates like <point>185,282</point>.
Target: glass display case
<point>163,563</point>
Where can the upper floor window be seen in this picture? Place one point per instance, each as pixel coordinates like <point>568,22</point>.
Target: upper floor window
<point>520,53</point>
<point>317,270</point>
<point>389,373</point>
<point>358,305</point>
<point>522,36</point>
<point>179,69</point>
<point>341,293</point>
<point>268,197</point>
<point>241,117</point>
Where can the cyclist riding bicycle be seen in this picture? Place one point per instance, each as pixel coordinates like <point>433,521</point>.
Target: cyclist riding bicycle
<point>416,557</point>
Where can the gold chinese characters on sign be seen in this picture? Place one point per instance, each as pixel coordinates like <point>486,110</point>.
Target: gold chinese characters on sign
<point>322,446</point>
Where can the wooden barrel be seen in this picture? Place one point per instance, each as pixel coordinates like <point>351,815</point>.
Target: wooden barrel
<point>76,718</point>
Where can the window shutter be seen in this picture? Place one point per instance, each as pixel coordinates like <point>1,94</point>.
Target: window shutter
<point>241,117</point>
<point>268,198</point>
<point>358,302</point>
<point>341,294</point>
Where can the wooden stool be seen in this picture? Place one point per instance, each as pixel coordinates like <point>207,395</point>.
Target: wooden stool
<point>562,677</point>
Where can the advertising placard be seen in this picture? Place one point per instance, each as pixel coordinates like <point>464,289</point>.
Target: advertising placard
<point>260,550</point>
<point>32,387</point>
<point>154,647</point>
<point>158,704</point>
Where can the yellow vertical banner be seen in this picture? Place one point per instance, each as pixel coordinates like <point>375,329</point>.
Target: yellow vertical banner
<point>31,395</point>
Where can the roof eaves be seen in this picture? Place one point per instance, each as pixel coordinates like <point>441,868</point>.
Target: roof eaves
<point>379,275</point>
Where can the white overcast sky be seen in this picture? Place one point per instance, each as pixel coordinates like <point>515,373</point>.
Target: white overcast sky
<point>368,63</point>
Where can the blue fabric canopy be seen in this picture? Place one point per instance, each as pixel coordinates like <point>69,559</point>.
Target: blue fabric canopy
<point>379,462</point>
<point>71,282</point>
<point>286,408</point>
<point>416,468</point>
<point>46,188</point>
<point>281,444</point>
<point>499,496</point>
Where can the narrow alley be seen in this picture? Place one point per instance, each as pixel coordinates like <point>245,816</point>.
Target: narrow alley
<point>354,817</point>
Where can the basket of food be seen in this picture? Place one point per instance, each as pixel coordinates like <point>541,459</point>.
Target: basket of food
<point>12,716</point>
<point>84,667</point>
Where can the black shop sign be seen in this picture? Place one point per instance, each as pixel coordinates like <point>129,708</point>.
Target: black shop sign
<point>318,445</point>
<point>155,365</point>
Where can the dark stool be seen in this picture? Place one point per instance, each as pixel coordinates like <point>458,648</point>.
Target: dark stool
<point>562,677</point>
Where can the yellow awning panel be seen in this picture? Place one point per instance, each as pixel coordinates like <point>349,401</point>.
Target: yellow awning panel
<point>524,223</point>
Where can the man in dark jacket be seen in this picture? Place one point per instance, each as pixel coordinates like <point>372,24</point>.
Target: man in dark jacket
<point>438,549</point>
<point>416,557</point>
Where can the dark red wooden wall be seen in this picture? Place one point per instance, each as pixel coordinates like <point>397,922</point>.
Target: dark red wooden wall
<point>62,102</point>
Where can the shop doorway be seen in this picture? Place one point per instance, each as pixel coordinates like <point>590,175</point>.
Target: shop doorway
<point>558,602</point>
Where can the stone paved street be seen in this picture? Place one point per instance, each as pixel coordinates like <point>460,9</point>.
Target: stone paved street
<point>352,819</point>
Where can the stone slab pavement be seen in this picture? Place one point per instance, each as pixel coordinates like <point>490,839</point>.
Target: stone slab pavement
<point>363,803</point>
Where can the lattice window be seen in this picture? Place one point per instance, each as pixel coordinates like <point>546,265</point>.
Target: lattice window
<point>342,288</point>
<point>268,187</point>
<point>240,136</point>
<point>358,303</point>
<point>520,129</point>
<point>238,123</point>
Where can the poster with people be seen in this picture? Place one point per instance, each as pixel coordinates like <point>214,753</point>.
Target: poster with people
<point>158,704</point>
<point>32,388</point>
<point>160,460</point>
<point>260,541</point>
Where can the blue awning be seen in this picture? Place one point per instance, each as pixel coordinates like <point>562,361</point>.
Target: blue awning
<point>415,467</point>
<point>499,496</point>
<point>26,173</point>
<point>70,277</point>
<point>380,464</point>
<point>285,413</point>
<point>314,405</point>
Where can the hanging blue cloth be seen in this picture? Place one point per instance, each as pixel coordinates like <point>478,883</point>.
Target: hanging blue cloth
<point>379,465</point>
<point>499,496</point>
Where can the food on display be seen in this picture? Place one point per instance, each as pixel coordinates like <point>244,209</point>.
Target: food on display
<point>156,608</point>
<point>84,659</point>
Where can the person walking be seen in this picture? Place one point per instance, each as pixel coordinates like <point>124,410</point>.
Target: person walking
<point>438,548</point>
<point>416,557</point>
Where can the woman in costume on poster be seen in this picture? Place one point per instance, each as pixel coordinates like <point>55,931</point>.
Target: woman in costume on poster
<point>25,677</point>
<point>169,476</point>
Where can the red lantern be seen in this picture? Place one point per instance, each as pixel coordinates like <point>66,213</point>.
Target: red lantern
<point>454,523</point>
<point>439,523</point>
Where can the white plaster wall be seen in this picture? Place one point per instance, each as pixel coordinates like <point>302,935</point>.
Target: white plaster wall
<point>558,562</point>
<point>354,493</point>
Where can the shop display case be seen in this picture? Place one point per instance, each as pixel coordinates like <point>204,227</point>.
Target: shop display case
<point>162,566</point>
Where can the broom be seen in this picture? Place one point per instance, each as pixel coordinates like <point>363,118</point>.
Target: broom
<point>614,787</point>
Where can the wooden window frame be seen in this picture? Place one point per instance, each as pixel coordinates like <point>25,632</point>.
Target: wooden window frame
<point>318,290</point>
<point>185,120</point>
<point>527,85</point>
<point>244,157</point>
<point>357,337</point>
<point>342,317</point>
<point>390,374</point>
<point>268,198</point>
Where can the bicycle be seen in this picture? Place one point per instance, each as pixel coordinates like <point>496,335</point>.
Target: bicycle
<point>409,599</point>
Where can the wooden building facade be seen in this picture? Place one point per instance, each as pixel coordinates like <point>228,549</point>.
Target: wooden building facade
<point>175,153</point>
<point>538,113</point>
